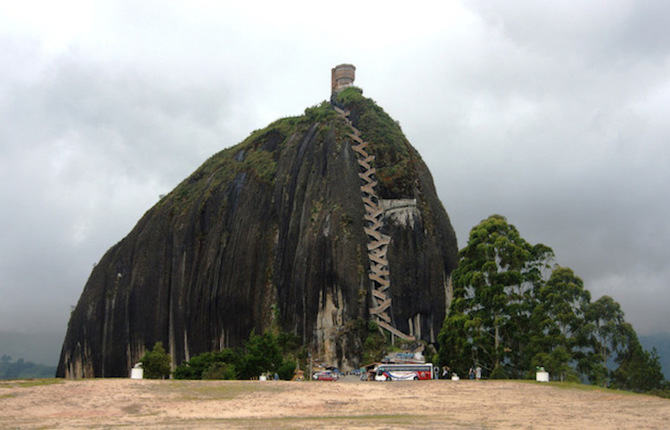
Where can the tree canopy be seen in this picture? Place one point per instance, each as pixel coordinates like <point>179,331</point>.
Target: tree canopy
<point>493,287</point>
<point>267,353</point>
<point>514,310</point>
<point>156,363</point>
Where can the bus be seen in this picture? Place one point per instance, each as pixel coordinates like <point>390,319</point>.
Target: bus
<point>404,372</point>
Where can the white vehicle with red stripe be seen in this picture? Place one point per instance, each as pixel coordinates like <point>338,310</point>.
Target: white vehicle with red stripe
<point>404,372</point>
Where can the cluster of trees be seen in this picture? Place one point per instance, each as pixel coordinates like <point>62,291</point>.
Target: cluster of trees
<point>273,352</point>
<point>267,353</point>
<point>513,311</point>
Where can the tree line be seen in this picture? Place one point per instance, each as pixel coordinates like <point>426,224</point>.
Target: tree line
<point>514,311</point>
<point>274,353</point>
<point>261,354</point>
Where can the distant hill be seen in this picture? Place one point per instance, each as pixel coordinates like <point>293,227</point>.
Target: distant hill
<point>21,369</point>
<point>39,348</point>
<point>660,341</point>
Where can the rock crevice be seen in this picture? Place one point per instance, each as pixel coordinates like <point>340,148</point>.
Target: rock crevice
<point>269,231</point>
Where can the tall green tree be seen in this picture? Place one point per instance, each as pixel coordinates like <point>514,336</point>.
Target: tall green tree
<point>559,321</point>
<point>607,332</point>
<point>497,273</point>
<point>262,354</point>
<point>454,345</point>
<point>639,370</point>
<point>509,314</point>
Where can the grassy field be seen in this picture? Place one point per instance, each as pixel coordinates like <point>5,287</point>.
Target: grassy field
<point>125,403</point>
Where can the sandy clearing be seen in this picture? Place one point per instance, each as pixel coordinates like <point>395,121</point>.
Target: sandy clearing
<point>129,403</point>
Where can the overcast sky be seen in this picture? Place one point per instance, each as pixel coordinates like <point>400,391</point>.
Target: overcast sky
<point>553,114</point>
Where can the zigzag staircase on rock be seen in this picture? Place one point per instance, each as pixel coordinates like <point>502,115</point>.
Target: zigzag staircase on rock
<point>377,242</point>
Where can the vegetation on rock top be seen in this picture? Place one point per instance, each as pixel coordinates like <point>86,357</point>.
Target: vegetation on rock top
<point>394,156</point>
<point>276,220</point>
<point>258,153</point>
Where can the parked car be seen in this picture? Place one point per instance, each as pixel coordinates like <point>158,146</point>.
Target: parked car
<point>325,376</point>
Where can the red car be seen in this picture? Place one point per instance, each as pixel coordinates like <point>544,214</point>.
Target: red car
<point>324,376</point>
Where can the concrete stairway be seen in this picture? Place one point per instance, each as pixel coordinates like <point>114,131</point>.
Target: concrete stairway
<point>378,242</point>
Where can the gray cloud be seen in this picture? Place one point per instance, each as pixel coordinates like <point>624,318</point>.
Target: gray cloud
<point>553,115</point>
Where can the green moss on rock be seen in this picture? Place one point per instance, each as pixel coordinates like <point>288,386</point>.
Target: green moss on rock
<point>394,156</point>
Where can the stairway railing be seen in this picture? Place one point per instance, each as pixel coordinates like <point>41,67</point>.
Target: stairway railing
<point>378,242</point>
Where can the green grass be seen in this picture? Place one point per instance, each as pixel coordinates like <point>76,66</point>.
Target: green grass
<point>213,390</point>
<point>575,386</point>
<point>340,421</point>
<point>24,383</point>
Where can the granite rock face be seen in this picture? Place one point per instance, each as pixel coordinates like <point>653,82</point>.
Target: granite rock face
<point>271,229</point>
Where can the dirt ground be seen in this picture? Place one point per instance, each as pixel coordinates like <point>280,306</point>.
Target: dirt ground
<point>111,403</point>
